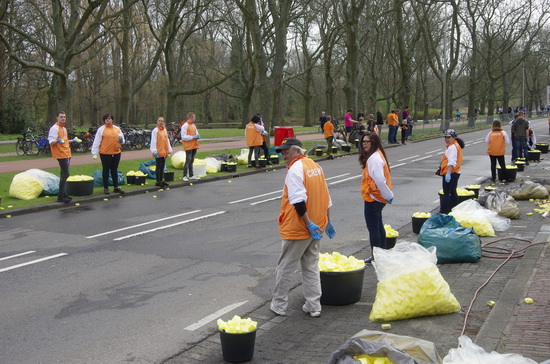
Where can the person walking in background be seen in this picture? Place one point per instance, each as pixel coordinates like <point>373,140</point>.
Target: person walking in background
<point>458,114</point>
<point>253,133</point>
<point>322,119</point>
<point>107,143</point>
<point>328,129</point>
<point>61,150</point>
<point>393,124</point>
<point>348,124</point>
<point>519,130</point>
<point>305,213</point>
<point>406,117</point>
<point>404,127</point>
<point>376,188</point>
<point>379,120</point>
<point>513,139</point>
<point>160,148</point>
<point>190,138</point>
<point>496,149</point>
<point>371,125</point>
<point>451,161</point>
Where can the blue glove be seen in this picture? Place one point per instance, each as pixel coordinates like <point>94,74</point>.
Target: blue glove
<point>331,233</point>
<point>120,138</point>
<point>314,230</point>
<point>448,177</point>
<point>156,155</point>
<point>61,141</point>
<point>264,133</point>
<point>198,136</point>
<point>390,201</point>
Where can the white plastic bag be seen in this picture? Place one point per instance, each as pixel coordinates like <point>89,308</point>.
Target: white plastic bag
<point>25,186</point>
<point>213,165</point>
<point>243,157</point>
<point>49,181</point>
<point>178,159</point>
<point>484,221</point>
<point>470,353</point>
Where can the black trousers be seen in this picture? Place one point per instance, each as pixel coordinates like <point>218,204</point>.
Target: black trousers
<point>160,162</point>
<point>189,159</point>
<point>256,150</point>
<point>64,166</point>
<point>266,150</point>
<point>501,162</point>
<point>110,166</point>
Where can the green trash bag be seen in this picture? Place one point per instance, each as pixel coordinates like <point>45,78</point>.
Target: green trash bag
<point>453,242</point>
<point>98,178</point>
<point>145,167</point>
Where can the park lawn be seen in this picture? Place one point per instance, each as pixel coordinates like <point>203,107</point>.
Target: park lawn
<point>8,203</point>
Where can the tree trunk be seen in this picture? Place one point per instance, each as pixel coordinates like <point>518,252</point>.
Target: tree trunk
<point>59,99</point>
<point>404,94</point>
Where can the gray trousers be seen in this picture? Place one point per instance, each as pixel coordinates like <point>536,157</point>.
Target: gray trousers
<point>305,252</point>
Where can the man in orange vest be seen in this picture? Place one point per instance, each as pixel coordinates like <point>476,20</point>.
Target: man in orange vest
<point>61,150</point>
<point>190,139</point>
<point>254,132</point>
<point>305,213</point>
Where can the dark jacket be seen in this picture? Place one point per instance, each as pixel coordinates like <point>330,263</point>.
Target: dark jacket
<point>519,128</point>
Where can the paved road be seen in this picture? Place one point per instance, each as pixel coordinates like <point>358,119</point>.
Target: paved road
<point>165,268</point>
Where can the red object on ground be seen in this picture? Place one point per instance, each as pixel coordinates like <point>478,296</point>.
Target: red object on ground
<point>282,132</point>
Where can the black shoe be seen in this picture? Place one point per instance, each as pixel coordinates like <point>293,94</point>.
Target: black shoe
<point>369,260</point>
<point>64,199</point>
<point>118,190</point>
<point>250,166</point>
<point>159,184</point>
<point>164,184</point>
<point>106,191</point>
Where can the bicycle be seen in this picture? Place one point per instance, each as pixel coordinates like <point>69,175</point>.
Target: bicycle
<point>173,134</point>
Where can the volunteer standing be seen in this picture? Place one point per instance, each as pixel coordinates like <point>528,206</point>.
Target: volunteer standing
<point>190,139</point>
<point>328,129</point>
<point>305,213</point>
<point>61,150</point>
<point>450,170</point>
<point>253,133</point>
<point>496,149</point>
<point>107,143</point>
<point>160,148</point>
<point>376,188</point>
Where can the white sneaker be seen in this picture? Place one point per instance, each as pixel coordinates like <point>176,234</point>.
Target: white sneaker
<point>311,313</point>
<point>194,178</point>
<point>282,313</point>
<point>185,179</point>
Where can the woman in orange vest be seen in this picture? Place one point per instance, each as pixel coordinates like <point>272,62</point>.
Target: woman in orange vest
<point>376,188</point>
<point>328,128</point>
<point>496,149</point>
<point>107,142</point>
<point>451,161</point>
<point>59,145</point>
<point>160,148</point>
<point>253,133</point>
<point>190,139</point>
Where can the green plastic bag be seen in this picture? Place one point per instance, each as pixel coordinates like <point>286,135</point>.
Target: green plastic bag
<point>453,242</point>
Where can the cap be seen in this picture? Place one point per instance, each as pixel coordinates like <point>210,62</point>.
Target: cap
<point>450,133</point>
<point>287,143</point>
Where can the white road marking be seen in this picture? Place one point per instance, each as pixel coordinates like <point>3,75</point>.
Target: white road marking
<point>32,262</point>
<point>426,157</point>
<point>269,199</point>
<point>253,197</point>
<point>344,180</point>
<point>479,179</point>
<point>436,201</point>
<point>433,151</point>
<point>142,224</point>
<point>476,142</point>
<point>214,316</point>
<point>404,159</point>
<point>18,255</point>
<point>338,176</point>
<point>397,165</point>
<point>171,225</point>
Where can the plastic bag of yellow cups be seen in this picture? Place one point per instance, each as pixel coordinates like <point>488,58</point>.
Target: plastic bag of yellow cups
<point>337,262</point>
<point>367,359</point>
<point>409,284</point>
<point>237,325</point>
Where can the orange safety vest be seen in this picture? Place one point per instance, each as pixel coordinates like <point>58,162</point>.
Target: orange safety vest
<point>162,142</point>
<point>496,144</point>
<point>328,128</point>
<point>191,131</point>
<point>369,187</point>
<point>291,225</point>
<point>61,151</point>
<point>253,136</point>
<point>444,161</point>
<point>109,141</point>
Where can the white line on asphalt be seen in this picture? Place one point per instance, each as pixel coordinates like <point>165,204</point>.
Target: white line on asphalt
<point>269,199</point>
<point>253,197</point>
<point>441,152</point>
<point>479,179</point>
<point>32,262</point>
<point>214,316</point>
<point>433,151</point>
<point>344,180</point>
<point>476,142</point>
<point>436,201</point>
<point>397,165</point>
<point>338,176</point>
<point>18,255</point>
<point>142,224</point>
<point>404,159</point>
<point>426,157</point>
<point>171,225</point>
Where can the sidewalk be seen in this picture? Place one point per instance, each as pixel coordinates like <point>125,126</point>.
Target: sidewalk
<point>511,326</point>
<point>84,159</point>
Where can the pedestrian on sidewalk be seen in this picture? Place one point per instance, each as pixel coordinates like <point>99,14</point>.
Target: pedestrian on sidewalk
<point>305,213</point>
<point>393,125</point>
<point>107,143</point>
<point>328,128</point>
<point>520,129</point>
<point>190,138</point>
<point>451,161</point>
<point>376,188</point>
<point>160,148</point>
<point>496,149</point>
<point>253,133</point>
<point>61,150</point>
<point>348,123</point>
<point>404,127</point>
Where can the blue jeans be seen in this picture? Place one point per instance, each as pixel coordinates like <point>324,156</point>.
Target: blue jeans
<point>392,134</point>
<point>450,197</point>
<point>373,219</point>
<point>521,148</point>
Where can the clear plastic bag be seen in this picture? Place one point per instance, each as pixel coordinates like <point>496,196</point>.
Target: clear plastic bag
<point>399,349</point>
<point>213,165</point>
<point>472,210</point>
<point>527,190</point>
<point>470,353</point>
<point>410,284</point>
<point>501,203</point>
<point>49,181</point>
